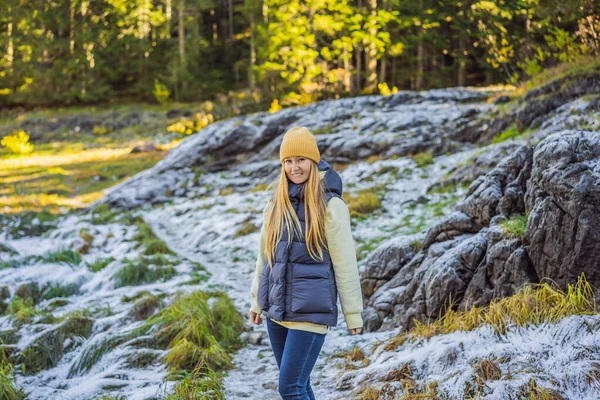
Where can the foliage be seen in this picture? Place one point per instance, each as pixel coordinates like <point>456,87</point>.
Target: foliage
<point>17,143</point>
<point>286,52</point>
<point>161,92</point>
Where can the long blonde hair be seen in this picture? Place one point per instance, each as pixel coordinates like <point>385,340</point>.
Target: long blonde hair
<point>281,211</point>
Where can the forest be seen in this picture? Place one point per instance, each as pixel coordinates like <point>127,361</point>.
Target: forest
<point>278,53</point>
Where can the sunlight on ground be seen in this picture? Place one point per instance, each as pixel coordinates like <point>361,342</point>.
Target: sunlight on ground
<point>68,179</point>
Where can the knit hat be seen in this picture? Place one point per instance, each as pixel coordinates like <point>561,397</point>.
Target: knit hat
<point>299,142</point>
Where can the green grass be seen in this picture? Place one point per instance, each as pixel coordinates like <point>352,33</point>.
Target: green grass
<point>47,350</point>
<point>144,270</point>
<point>196,333</point>
<point>100,264</point>
<point>146,237</point>
<point>92,354</point>
<point>422,159</point>
<point>21,311</point>
<point>203,383</point>
<point>66,256</point>
<point>145,306</point>
<point>9,390</point>
<point>28,223</point>
<point>511,133</point>
<point>141,360</point>
<point>514,227</point>
<point>363,203</point>
<point>57,290</point>
<point>246,228</point>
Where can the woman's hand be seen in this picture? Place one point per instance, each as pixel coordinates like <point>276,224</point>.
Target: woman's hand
<point>355,331</point>
<point>255,318</point>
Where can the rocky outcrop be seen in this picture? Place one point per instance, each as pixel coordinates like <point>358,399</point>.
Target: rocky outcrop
<point>347,130</point>
<point>468,260</point>
<point>563,198</point>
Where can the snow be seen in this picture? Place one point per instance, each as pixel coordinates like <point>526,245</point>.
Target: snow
<point>202,229</point>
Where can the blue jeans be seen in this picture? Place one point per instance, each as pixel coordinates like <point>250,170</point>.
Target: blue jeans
<point>296,352</point>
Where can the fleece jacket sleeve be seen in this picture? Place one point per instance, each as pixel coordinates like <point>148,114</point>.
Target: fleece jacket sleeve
<point>343,256</point>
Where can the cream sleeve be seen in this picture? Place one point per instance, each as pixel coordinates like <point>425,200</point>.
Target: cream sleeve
<point>343,256</point>
<point>260,264</point>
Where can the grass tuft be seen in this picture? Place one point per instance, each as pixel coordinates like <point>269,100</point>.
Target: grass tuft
<point>144,270</point>
<point>363,203</point>
<point>47,350</point>
<point>532,305</point>
<point>514,227</point>
<point>8,387</point>
<point>100,264</point>
<point>197,333</point>
<point>422,159</point>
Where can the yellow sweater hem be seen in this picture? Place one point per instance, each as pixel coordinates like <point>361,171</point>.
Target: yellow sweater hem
<point>303,326</point>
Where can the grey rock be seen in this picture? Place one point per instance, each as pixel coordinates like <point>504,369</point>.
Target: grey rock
<point>387,260</point>
<point>501,190</point>
<point>563,197</point>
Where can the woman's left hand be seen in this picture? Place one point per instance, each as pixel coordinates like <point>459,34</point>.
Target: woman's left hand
<point>355,331</point>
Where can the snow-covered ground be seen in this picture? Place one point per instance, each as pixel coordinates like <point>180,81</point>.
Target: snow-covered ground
<point>202,230</point>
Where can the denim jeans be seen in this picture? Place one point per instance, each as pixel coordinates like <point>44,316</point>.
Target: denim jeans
<point>296,352</point>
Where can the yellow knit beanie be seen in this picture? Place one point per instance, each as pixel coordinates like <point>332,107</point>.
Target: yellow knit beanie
<point>299,142</point>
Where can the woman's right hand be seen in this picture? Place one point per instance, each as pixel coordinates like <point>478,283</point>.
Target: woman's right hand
<point>255,318</point>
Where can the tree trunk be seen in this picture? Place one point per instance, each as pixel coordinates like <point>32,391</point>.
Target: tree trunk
<point>382,66</point>
<point>371,53</point>
<point>10,49</point>
<point>71,27</point>
<point>181,30</point>
<point>347,71</point>
<point>236,73</point>
<point>169,16</point>
<point>251,81</point>
<point>420,51</point>
<point>462,64</point>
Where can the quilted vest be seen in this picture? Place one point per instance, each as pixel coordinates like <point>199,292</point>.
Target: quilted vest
<point>299,288</point>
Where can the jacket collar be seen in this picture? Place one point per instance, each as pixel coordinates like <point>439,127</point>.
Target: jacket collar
<point>332,180</point>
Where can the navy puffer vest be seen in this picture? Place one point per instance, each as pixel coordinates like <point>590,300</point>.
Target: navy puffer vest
<point>299,288</point>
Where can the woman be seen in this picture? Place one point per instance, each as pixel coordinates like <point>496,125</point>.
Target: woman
<point>306,256</point>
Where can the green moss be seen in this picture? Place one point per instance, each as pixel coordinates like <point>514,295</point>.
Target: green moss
<point>422,159</point>
<point>365,248</point>
<point>363,203</point>
<point>514,227</point>
<point>511,133</point>
<point>246,229</point>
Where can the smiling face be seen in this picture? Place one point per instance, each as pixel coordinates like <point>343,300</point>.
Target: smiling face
<point>297,169</point>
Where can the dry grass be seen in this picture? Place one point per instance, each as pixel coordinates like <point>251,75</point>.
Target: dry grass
<point>532,305</point>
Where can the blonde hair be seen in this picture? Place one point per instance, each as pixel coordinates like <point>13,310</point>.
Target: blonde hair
<point>281,211</point>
